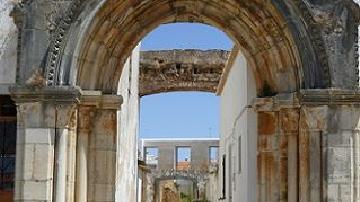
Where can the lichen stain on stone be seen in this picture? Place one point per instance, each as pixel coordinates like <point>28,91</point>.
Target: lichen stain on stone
<point>289,120</point>
<point>267,123</point>
<point>269,175</point>
<point>314,118</point>
<point>109,125</point>
<point>263,143</point>
<point>283,145</point>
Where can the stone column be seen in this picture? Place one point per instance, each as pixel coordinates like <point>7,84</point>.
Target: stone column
<point>71,159</point>
<point>42,115</point>
<point>97,146</point>
<point>86,114</point>
<point>63,115</point>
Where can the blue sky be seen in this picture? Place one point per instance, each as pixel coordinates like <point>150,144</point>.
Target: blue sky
<point>182,114</point>
<point>186,36</point>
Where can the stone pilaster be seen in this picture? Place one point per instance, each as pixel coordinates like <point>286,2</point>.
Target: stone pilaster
<point>308,146</point>
<point>62,159</point>
<point>289,140</point>
<point>97,142</point>
<point>43,126</point>
<point>329,163</point>
<point>277,147</point>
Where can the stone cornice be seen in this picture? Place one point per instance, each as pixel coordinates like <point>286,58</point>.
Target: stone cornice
<point>307,97</point>
<point>329,97</point>
<point>65,94</point>
<point>97,99</point>
<point>50,94</point>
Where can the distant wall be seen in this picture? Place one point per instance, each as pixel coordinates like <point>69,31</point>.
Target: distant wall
<point>238,127</point>
<point>8,46</point>
<point>200,151</point>
<point>128,129</point>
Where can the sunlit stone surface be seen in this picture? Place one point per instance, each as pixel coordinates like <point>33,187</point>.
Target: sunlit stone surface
<point>289,91</point>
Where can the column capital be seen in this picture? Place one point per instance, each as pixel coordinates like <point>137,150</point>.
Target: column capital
<point>49,107</point>
<point>101,101</point>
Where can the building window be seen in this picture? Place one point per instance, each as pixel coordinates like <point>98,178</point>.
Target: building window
<point>214,155</point>
<point>239,154</point>
<point>183,158</point>
<point>151,157</point>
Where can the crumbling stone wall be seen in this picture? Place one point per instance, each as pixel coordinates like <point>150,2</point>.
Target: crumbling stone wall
<point>181,70</point>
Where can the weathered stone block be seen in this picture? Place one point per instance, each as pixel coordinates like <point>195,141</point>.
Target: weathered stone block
<point>339,165</point>
<point>345,192</point>
<point>289,121</point>
<point>101,165</point>
<point>332,192</point>
<point>43,162</point>
<point>36,191</point>
<point>39,136</point>
<point>104,192</point>
<point>341,139</point>
<point>267,123</point>
<point>28,161</point>
<point>343,118</point>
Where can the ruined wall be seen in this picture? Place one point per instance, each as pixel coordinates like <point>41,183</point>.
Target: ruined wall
<point>200,148</point>
<point>128,123</point>
<point>8,46</point>
<point>181,70</point>
<point>238,126</point>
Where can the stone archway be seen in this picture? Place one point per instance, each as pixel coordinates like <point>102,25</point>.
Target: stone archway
<point>268,37</point>
<point>297,43</point>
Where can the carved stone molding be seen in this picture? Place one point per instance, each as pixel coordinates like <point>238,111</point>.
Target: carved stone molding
<point>308,98</point>
<point>100,101</point>
<point>300,12</point>
<point>277,102</point>
<point>329,97</point>
<point>55,94</point>
<point>181,70</point>
<point>58,41</point>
